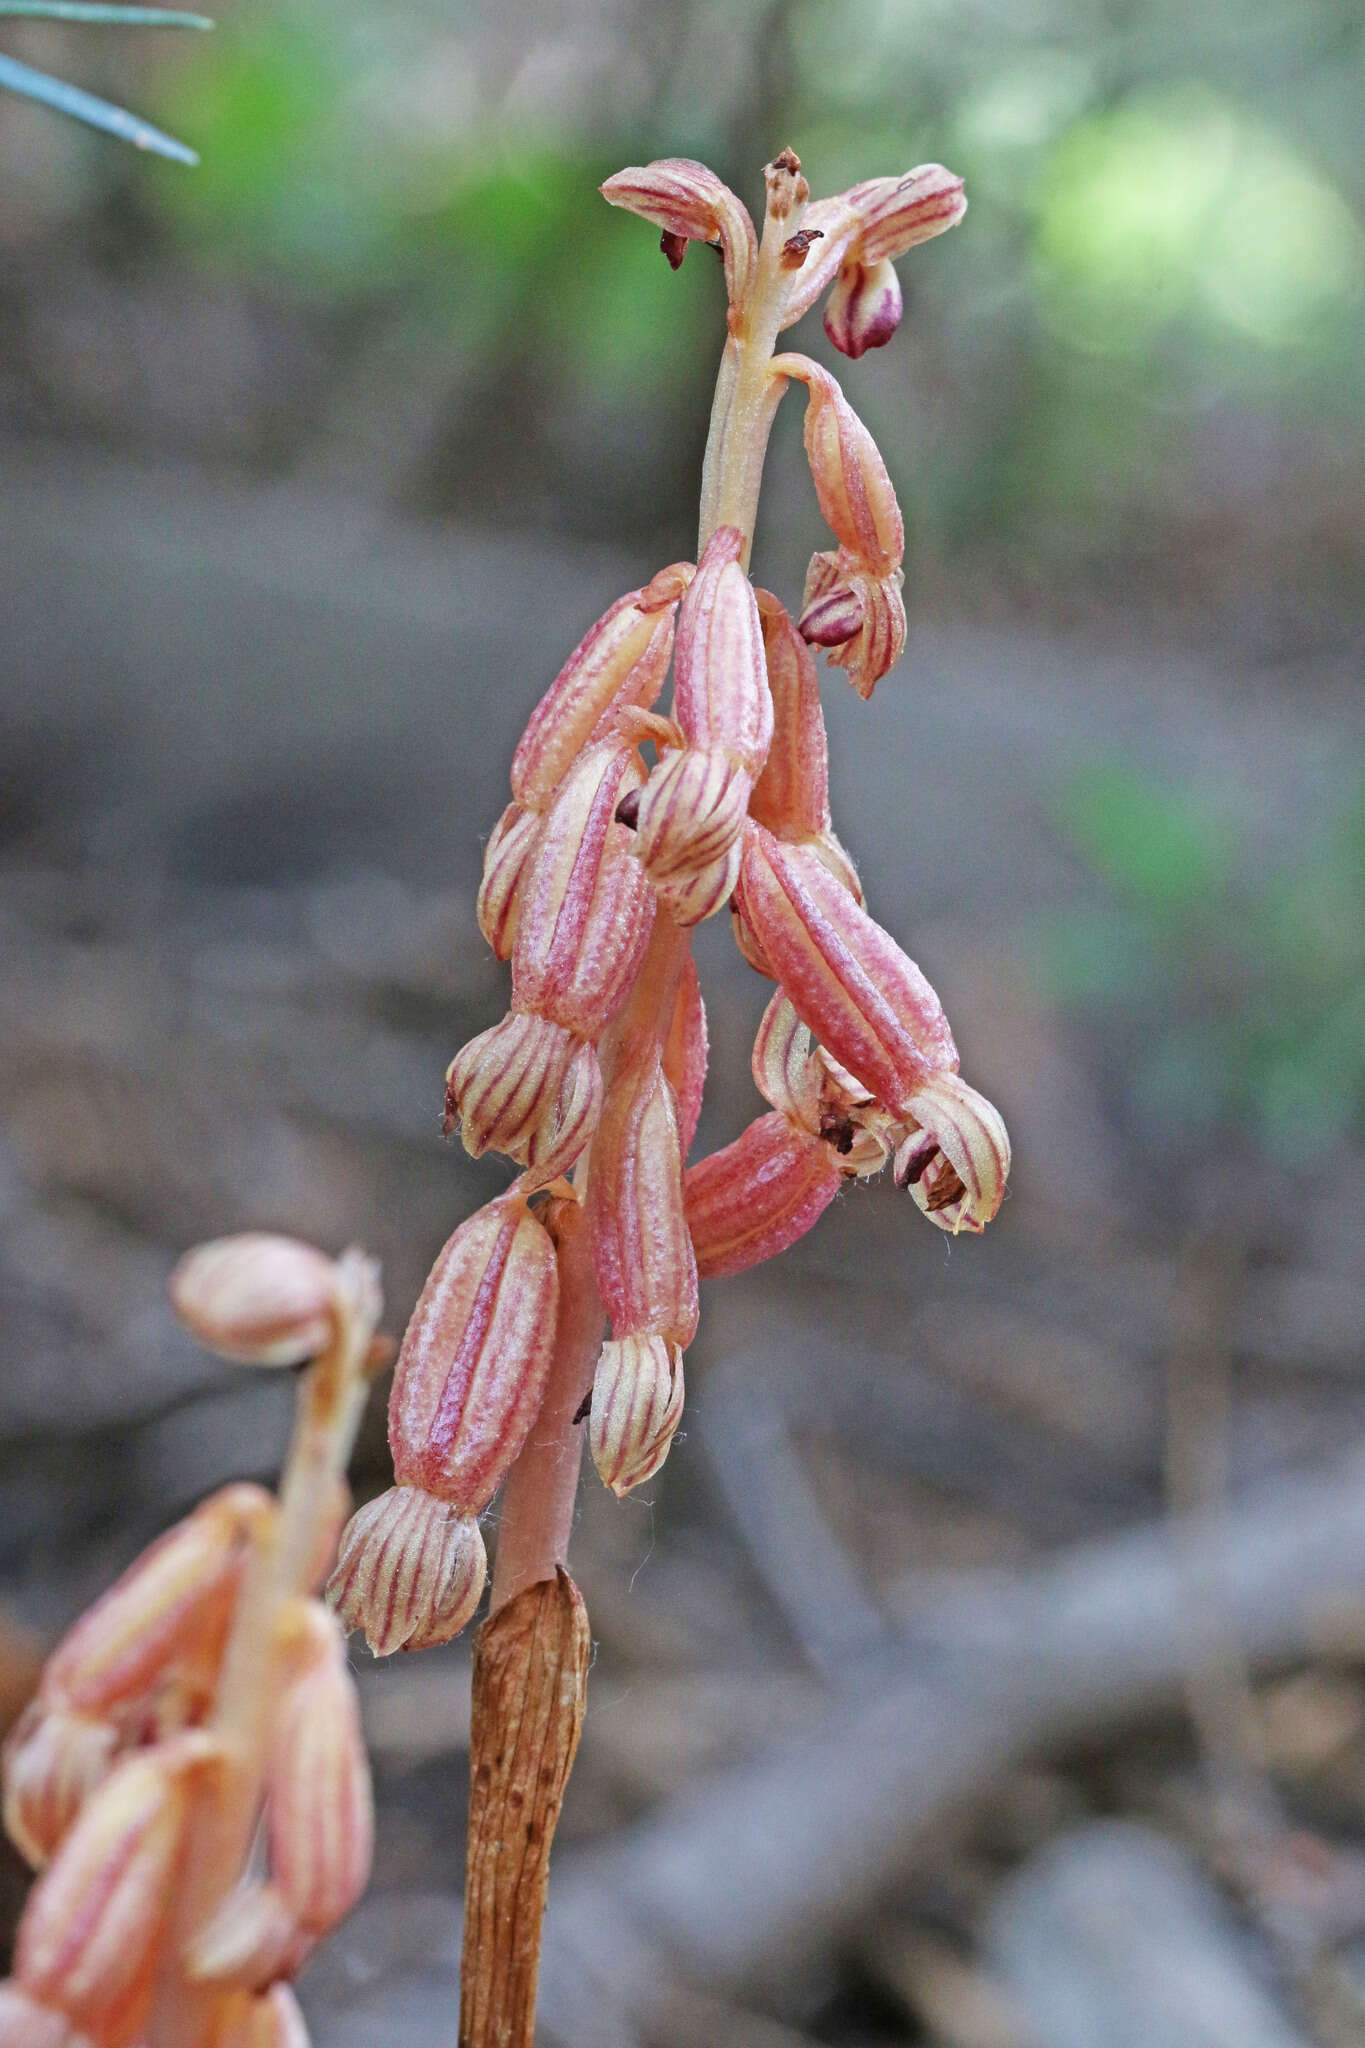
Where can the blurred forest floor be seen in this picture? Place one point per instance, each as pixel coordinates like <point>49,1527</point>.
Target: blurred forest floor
<point>890,1721</point>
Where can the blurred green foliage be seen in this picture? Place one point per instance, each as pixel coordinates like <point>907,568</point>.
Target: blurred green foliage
<point>1235,985</point>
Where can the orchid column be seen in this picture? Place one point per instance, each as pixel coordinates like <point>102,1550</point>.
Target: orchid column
<point>562,1310</point>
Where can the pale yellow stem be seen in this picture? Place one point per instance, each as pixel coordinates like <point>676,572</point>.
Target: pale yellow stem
<point>287,1562</point>
<point>747,395</point>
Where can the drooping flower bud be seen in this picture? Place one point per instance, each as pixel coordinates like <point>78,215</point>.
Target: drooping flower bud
<point>691,815</point>
<point>720,688</point>
<point>526,1087</point>
<point>851,480</point>
<point>646,1274</point>
<point>692,808</point>
<point>319,1807</point>
<point>586,908</point>
<point>688,201</point>
<point>53,1761</point>
<point>791,796</point>
<point>257,1298</point>
<point>758,1195</point>
<point>957,1160</point>
<point>637,1403</point>
<point>26,2024</point>
<point>531,1086</point>
<point>620,661</point>
<point>847,979</point>
<point>90,1941</point>
<point>507,857</point>
<point>864,309</point>
<point>173,1604</point>
<point>471,1369</point>
<point>410,1571</point>
<point>684,1057</point>
<point>319,1815</point>
<point>469,1382</point>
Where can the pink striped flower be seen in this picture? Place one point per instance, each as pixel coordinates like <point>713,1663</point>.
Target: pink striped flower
<point>956,1158</point>
<point>761,1193</point>
<point>690,204</point>
<point>851,480</point>
<point>692,809</point>
<point>467,1387</point>
<point>847,979</point>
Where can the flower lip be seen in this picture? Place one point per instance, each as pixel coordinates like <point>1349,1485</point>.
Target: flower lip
<point>955,1160</point>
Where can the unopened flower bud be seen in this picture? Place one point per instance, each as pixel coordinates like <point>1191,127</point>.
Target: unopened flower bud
<point>319,1808</point>
<point>506,858</point>
<point>529,1088</point>
<point>847,978</point>
<point>173,1604</point>
<point>646,1274</point>
<point>685,1049</point>
<point>90,1941</point>
<point>319,1815</point>
<point>410,1571</point>
<point>471,1370</point>
<point>253,1938</point>
<point>26,2024</point>
<point>637,1403</point>
<point>693,806</point>
<point>257,1298</point>
<point>864,309</point>
<point>687,200</point>
<point>53,1761</point>
<point>758,1195</point>
<point>691,814</point>
<point>957,1161</point>
<point>721,699</point>
<point>791,796</point>
<point>586,908</point>
<point>621,661</point>
<point>851,480</point>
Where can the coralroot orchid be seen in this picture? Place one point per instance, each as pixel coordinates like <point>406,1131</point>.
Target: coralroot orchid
<point>626,829</point>
<point>209,1688</point>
